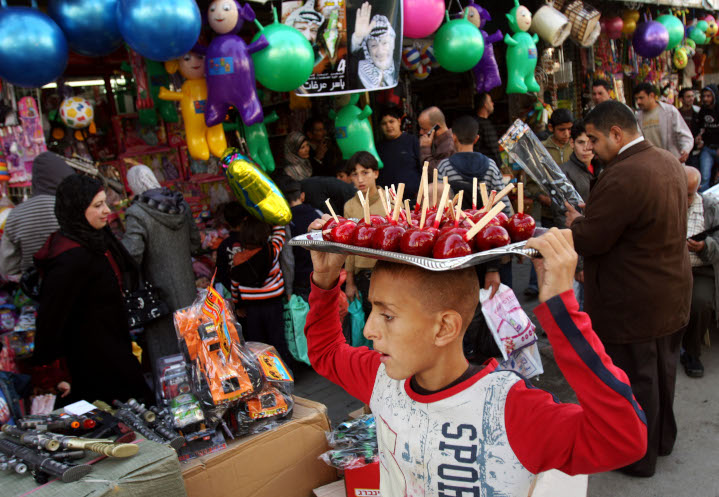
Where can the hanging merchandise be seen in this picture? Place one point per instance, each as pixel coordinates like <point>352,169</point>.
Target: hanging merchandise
<point>680,58</point>
<point>585,23</point>
<point>630,18</point>
<point>712,27</point>
<point>143,102</point>
<point>613,27</point>
<point>157,77</point>
<point>287,62</point>
<point>421,72</point>
<point>458,44</point>
<point>33,138</point>
<point>427,56</point>
<point>33,49</point>
<point>201,140</point>
<point>521,51</point>
<point>90,26</point>
<point>228,67</point>
<point>353,129</point>
<point>258,143</point>
<point>422,17</point>
<point>159,30</point>
<point>697,35</point>
<point>77,113</point>
<point>257,193</point>
<point>551,25</point>
<point>486,72</point>
<point>650,39</point>
<point>411,58</point>
<point>674,27</point>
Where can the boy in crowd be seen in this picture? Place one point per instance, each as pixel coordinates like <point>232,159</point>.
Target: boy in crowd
<point>399,152</point>
<point>362,167</point>
<point>448,428</point>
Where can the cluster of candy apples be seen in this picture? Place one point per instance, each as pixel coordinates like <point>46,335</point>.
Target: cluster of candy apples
<point>442,232</point>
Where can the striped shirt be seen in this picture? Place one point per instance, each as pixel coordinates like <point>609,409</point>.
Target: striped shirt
<point>492,178</point>
<point>27,228</point>
<point>274,285</point>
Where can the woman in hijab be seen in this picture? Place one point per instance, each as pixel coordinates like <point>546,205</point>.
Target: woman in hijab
<point>82,314</point>
<point>297,156</point>
<point>161,235</point>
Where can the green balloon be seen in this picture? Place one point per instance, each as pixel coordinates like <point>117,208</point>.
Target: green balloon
<point>703,25</point>
<point>458,45</point>
<point>287,62</point>
<point>698,36</point>
<point>354,131</point>
<point>675,28</point>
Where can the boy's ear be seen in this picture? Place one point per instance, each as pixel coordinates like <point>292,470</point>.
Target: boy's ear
<point>450,328</point>
<point>475,139</point>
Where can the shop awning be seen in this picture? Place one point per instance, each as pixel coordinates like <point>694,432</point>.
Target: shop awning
<point>697,4</point>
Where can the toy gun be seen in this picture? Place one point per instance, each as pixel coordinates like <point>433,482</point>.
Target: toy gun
<point>57,423</point>
<point>41,464</point>
<point>54,441</point>
<point>127,415</point>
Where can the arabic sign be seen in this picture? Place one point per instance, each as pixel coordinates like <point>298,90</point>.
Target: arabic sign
<point>357,45</point>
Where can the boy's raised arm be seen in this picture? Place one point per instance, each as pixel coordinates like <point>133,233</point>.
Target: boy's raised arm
<point>607,430</point>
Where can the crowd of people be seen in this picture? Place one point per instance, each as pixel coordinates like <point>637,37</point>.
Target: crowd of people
<point>639,233</point>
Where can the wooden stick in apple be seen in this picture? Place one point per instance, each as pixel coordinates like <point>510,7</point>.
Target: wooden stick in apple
<point>485,220</point>
<point>442,203</point>
<point>332,211</point>
<point>505,191</point>
<point>422,186</point>
<point>474,193</point>
<point>434,187</point>
<point>520,197</point>
<point>365,208</point>
<point>383,201</point>
<point>408,211</point>
<point>398,203</point>
<point>483,191</point>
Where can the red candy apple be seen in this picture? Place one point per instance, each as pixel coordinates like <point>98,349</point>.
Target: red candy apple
<point>387,237</point>
<point>491,237</point>
<point>363,235</point>
<point>343,232</point>
<point>419,242</point>
<point>328,226</point>
<point>450,245</point>
<point>503,219</point>
<point>521,227</point>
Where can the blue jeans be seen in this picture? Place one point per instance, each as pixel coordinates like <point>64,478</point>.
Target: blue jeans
<point>706,163</point>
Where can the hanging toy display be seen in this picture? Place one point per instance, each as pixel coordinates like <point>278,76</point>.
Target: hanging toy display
<point>650,39</point>
<point>421,17</point>
<point>33,49</point>
<point>458,44</point>
<point>613,27</point>
<point>551,25</point>
<point>427,56</point>
<point>674,27</point>
<point>257,193</point>
<point>287,62</point>
<point>697,34</point>
<point>521,51</point>
<point>585,23</point>
<point>258,143</point>
<point>77,113</point>
<point>90,26</point>
<point>630,18</point>
<point>354,131</point>
<point>201,139</point>
<point>157,77</point>
<point>680,58</point>
<point>159,30</point>
<point>712,27</point>
<point>486,72</point>
<point>411,58</point>
<point>229,70</point>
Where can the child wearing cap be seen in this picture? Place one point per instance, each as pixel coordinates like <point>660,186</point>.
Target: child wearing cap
<point>448,428</point>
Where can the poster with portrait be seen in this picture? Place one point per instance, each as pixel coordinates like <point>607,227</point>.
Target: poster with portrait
<point>357,43</point>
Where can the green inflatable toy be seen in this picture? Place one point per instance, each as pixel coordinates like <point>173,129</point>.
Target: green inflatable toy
<point>458,45</point>
<point>521,51</point>
<point>353,129</point>
<point>674,27</point>
<point>697,35</point>
<point>258,143</point>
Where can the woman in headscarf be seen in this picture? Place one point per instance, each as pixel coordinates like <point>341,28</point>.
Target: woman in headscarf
<point>161,235</point>
<point>82,315</point>
<point>297,156</point>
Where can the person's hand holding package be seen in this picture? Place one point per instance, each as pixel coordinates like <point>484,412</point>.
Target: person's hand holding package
<point>327,266</point>
<point>556,268</point>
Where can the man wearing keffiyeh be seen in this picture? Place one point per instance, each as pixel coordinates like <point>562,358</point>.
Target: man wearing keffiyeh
<point>376,38</point>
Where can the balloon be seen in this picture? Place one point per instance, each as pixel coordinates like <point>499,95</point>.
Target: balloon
<point>690,47</point>
<point>354,132</point>
<point>613,27</point>
<point>680,58</point>
<point>228,66</point>
<point>697,35</point>
<point>411,58</point>
<point>157,77</point>
<point>675,28</point>
<point>287,62</point>
<point>458,45</point>
<point>76,112</point>
<point>650,39</point>
<point>421,17</point>
<point>33,49</point>
<point>259,144</point>
<point>201,140</point>
<point>159,30</point>
<point>254,189</point>
<point>630,18</point>
<point>712,29</point>
<point>427,56</point>
<point>521,51</point>
<point>486,72</point>
<point>421,72</point>
<point>703,25</point>
<point>90,26</point>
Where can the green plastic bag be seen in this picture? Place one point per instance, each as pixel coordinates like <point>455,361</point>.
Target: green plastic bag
<point>295,315</point>
<point>357,320</point>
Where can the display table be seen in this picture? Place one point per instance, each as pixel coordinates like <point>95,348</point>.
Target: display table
<point>281,462</point>
<point>153,472</point>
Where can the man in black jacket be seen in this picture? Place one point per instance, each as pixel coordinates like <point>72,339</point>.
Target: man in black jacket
<point>707,134</point>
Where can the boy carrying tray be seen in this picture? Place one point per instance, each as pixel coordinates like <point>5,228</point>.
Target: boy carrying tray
<point>448,428</point>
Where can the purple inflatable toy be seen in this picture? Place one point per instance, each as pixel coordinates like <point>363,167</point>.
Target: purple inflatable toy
<point>228,66</point>
<point>486,72</point>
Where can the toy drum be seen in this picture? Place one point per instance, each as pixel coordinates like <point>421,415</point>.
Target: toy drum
<point>551,25</point>
<point>585,23</point>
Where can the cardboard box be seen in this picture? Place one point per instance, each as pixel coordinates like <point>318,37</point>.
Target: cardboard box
<point>363,482</point>
<point>282,462</point>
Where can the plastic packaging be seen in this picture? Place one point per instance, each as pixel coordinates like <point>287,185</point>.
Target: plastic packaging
<point>354,444</point>
<point>509,324</point>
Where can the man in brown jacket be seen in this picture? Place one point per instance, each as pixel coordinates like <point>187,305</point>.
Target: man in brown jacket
<point>637,275</point>
<point>435,138</point>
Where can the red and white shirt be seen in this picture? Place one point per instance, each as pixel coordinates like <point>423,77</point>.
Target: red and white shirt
<point>490,434</point>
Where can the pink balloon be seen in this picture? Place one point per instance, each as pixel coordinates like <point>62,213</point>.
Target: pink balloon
<point>613,27</point>
<point>422,17</point>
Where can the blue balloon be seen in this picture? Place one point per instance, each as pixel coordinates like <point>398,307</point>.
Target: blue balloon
<point>90,26</point>
<point>159,29</point>
<point>33,49</point>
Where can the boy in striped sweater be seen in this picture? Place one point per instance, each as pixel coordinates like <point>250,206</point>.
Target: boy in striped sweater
<point>248,265</point>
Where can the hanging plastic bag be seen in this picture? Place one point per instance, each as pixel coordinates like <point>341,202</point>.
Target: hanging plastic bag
<point>509,324</point>
<point>357,321</point>
<point>295,316</point>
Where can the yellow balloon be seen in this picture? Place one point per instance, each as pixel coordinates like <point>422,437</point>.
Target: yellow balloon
<point>257,193</point>
<point>713,29</point>
<point>630,18</point>
<point>680,58</point>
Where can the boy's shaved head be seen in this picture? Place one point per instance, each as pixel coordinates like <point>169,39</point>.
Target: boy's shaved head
<point>438,290</point>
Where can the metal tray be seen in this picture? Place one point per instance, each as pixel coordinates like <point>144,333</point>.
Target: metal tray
<point>314,241</point>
